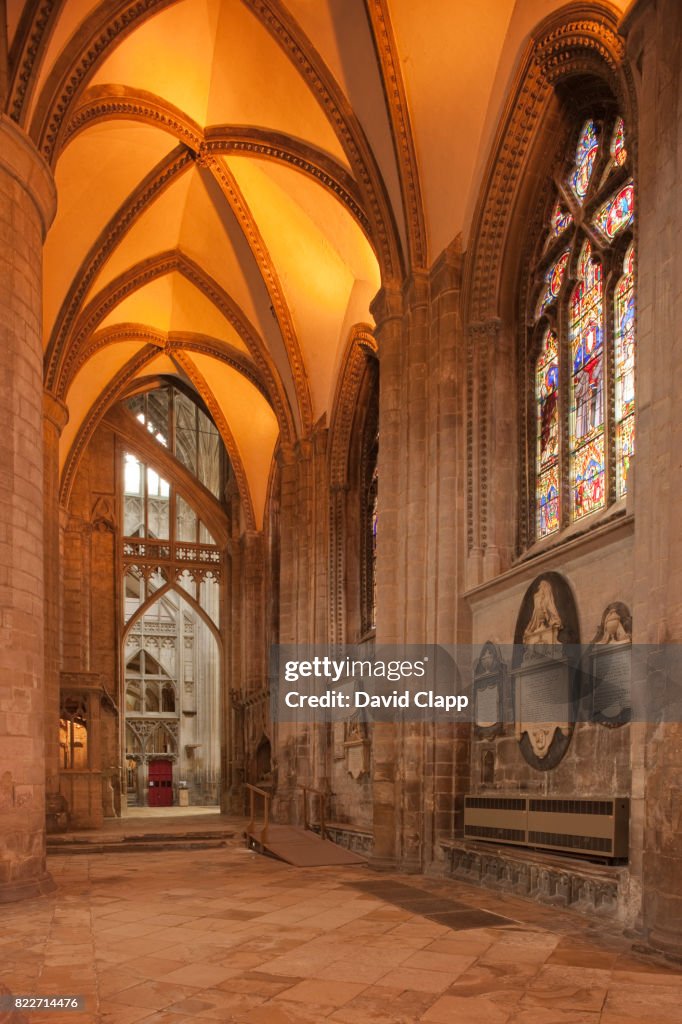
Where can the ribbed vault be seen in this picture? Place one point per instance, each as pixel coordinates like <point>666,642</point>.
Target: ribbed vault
<point>236,180</point>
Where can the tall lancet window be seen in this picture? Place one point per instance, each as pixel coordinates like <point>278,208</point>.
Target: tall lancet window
<point>581,339</point>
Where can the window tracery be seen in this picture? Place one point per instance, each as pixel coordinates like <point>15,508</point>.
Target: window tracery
<point>171,569</point>
<point>582,341</point>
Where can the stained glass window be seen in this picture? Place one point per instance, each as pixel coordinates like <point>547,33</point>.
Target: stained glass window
<point>547,395</point>
<point>617,212</point>
<point>585,154</point>
<point>560,220</point>
<point>619,153</point>
<point>581,372</point>
<point>553,281</point>
<point>624,329</point>
<point>587,387</point>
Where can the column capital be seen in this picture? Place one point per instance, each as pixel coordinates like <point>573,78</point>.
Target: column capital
<point>416,289</point>
<point>387,304</point>
<point>55,411</point>
<point>20,159</point>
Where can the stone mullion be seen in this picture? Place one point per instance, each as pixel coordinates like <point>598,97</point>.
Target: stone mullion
<point>653,32</point>
<point>27,206</point>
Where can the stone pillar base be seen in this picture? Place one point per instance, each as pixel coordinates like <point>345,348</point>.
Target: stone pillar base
<point>666,942</point>
<point>12,892</point>
<point>56,814</point>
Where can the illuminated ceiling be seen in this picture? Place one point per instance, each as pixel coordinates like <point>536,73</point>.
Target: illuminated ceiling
<point>236,178</point>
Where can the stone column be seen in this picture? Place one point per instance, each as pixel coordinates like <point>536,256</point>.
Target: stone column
<point>654,35</point>
<point>387,311</point>
<point>55,417</point>
<point>27,206</point>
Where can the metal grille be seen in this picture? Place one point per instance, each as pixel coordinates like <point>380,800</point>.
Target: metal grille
<point>497,802</point>
<point>595,844</point>
<point>573,806</point>
<point>514,835</point>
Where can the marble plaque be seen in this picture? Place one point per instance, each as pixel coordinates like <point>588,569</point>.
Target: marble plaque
<point>543,700</point>
<point>487,708</point>
<point>611,695</point>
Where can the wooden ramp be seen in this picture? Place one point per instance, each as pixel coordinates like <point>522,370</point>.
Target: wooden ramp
<point>300,847</point>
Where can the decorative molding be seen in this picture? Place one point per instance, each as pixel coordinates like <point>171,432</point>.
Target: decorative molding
<point>106,28</point>
<point>137,277</point>
<point>588,888</point>
<point>281,148</point>
<point>303,55</point>
<point>149,189</point>
<point>480,351</point>
<point>103,29</point>
<point>579,39</point>
<point>361,342</point>
<point>170,342</point>
<point>109,102</point>
<point>580,45</point>
<point>106,398</point>
<point>28,48</point>
<point>55,412</point>
<point>239,207</point>
<point>394,87</point>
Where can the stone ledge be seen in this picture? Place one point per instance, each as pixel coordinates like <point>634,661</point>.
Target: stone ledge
<point>348,836</point>
<point>547,878</point>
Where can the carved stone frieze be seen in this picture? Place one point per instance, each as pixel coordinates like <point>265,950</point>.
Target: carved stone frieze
<point>584,888</point>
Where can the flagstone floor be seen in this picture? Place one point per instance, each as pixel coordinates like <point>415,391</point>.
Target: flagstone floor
<point>227,935</point>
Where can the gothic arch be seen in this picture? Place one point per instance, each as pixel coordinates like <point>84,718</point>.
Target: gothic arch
<point>578,43</point>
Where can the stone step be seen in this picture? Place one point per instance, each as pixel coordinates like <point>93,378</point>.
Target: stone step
<point>137,843</point>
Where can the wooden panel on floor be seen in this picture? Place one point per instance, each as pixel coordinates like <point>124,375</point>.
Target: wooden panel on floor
<point>301,847</point>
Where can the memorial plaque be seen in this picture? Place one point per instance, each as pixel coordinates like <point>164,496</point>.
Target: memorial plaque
<point>357,758</point>
<point>487,708</point>
<point>611,692</point>
<point>543,701</point>
<point>543,693</point>
<point>489,674</point>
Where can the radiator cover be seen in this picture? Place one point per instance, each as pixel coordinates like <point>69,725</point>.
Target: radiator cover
<point>594,827</point>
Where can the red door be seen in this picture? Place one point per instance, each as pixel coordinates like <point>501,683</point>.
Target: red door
<point>160,784</point>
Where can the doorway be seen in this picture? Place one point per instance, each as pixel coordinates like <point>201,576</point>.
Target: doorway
<point>160,783</point>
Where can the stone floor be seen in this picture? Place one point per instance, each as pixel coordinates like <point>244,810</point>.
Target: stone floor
<point>227,935</point>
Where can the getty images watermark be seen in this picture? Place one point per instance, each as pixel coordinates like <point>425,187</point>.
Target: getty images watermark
<point>483,684</point>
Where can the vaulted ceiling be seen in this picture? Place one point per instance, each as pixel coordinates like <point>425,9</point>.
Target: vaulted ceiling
<point>235,180</point>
